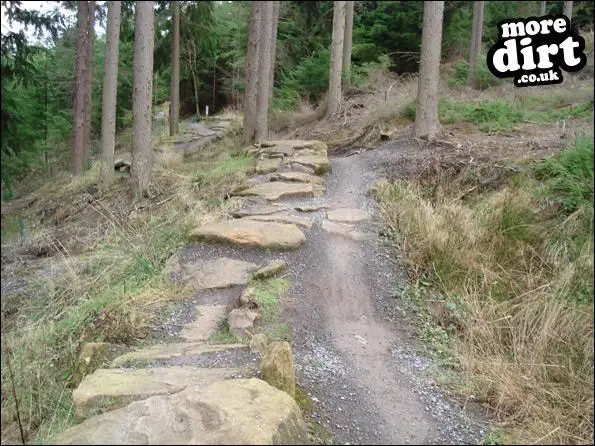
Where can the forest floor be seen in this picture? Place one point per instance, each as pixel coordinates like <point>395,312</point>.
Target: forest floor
<point>365,373</point>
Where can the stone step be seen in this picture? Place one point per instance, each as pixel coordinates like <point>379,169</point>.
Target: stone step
<point>240,411</point>
<point>282,217</point>
<point>206,323</point>
<point>210,274</point>
<point>246,232</point>
<point>109,389</point>
<point>297,177</point>
<point>164,352</point>
<point>275,190</point>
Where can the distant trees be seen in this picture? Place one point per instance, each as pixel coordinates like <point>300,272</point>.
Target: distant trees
<point>476,40</point>
<point>336,65</point>
<point>426,116</point>
<point>142,152</point>
<point>81,141</point>
<point>110,91</point>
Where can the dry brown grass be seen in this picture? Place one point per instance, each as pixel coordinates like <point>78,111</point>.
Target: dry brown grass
<point>512,280</point>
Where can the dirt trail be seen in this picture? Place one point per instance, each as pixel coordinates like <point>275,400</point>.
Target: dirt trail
<point>369,391</point>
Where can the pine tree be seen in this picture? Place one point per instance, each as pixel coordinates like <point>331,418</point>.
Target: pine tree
<point>336,65</point>
<point>110,90</point>
<point>251,90</point>
<point>174,100</point>
<point>427,124</point>
<point>142,152</point>
<point>348,41</point>
<point>476,40</point>
<point>264,68</point>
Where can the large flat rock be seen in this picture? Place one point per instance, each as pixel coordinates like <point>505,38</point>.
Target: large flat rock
<point>210,274</point>
<point>109,389</point>
<point>247,232</point>
<point>207,320</point>
<point>242,411</point>
<point>297,177</point>
<point>283,217</point>
<point>319,163</point>
<point>171,351</point>
<point>275,190</point>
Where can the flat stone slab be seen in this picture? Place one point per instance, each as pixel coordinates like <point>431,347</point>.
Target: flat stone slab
<point>267,165</point>
<point>210,274</point>
<point>283,218</point>
<point>247,232</point>
<point>345,230</point>
<point>298,177</point>
<point>265,210</point>
<point>347,215</point>
<point>319,163</point>
<point>239,411</point>
<point>206,323</point>
<point>311,208</point>
<point>109,389</point>
<point>275,190</point>
<point>169,351</point>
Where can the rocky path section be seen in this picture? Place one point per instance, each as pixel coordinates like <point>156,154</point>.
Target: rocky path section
<point>198,390</point>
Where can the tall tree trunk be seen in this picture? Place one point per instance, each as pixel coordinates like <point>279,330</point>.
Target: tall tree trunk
<point>89,85</point>
<point>174,90</point>
<point>276,6</point>
<point>334,89</point>
<point>476,38</point>
<point>251,91</point>
<point>426,116</point>
<point>542,8</point>
<point>264,72</point>
<point>348,41</point>
<point>78,140</point>
<point>195,84</point>
<point>568,10</point>
<point>110,92</point>
<point>142,152</point>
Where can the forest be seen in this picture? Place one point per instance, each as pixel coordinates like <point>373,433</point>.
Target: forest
<point>156,154</point>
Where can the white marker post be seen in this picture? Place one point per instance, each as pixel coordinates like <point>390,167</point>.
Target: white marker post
<point>207,110</point>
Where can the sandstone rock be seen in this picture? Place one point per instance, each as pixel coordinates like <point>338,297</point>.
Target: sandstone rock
<point>277,367</point>
<point>267,235</point>
<point>259,343</point>
<point>248,297</point>
<point>109,389</point>
<point>345,230</point>
<point>241,321</point>
<point>311,208</point>
<point>216,273</point>
<point>297,177</point>
<point>319,163</point>
<point>273,268</point>
<point>347,215</point>
<point>265,210</point>
<point>275,190</point>
<point>267,165</point>
<point>92,356</point>
<point>241,411</point>
<point>170,351</point>
<point>282,217</point>
<point>205,324</point>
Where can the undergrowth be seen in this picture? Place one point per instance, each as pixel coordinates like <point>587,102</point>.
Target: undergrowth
<point>111,291</point>
<point>513,303</point>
